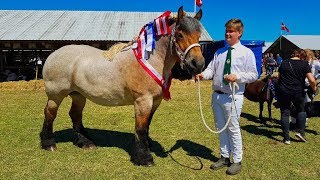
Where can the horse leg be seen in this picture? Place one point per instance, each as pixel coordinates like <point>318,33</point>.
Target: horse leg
<point>260,113</point>
<point>50,112</point>
<point>269,107</point>
<point>153,110</point>
<point>143,114</point>
<point>81,138</point>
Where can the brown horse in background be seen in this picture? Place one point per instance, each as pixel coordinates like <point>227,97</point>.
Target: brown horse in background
<point>259,91</point>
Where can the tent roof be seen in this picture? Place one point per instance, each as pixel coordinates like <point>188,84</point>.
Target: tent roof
<point>266,46</point>
<point>285,45</point>
<point>76,25</point>
<point>305,41</point>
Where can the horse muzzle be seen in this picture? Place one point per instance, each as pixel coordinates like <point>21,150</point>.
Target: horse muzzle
<point>194,65</point>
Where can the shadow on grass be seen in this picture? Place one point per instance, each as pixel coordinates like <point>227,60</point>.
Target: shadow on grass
<point>193,149</point>
<point>107,138</point>
<point>261,130</point>
<point>255,119</point>
<point>256,130</point>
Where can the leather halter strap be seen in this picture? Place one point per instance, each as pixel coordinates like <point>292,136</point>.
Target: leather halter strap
<point>182,54</point>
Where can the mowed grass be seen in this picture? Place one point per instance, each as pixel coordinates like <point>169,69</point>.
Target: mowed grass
<point>181,145</point>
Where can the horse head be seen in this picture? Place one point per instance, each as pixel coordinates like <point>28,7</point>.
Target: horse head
<point>185,39</point>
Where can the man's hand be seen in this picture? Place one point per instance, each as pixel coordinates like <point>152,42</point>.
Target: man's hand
<point>230,77</point>
<point>198,77</point>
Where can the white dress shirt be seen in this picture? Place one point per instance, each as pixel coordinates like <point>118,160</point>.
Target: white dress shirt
<point>243,65</point>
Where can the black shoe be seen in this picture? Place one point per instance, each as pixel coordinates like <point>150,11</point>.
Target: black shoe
<point>222,162</point>
<point>234,169</point>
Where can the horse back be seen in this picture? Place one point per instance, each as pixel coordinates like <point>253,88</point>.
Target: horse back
<point>84,69</point>
<point>255,91</point>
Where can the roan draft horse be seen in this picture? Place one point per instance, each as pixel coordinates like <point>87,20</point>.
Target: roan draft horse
<point>82,72</point>
<point>259,91</point>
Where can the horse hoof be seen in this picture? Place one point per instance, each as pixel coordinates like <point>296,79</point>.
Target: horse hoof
<point>149,164</point>
<point>50,148</point>
<point>145,164</point>
<point>88,146</point>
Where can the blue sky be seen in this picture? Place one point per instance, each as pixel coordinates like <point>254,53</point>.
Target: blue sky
<point>262,19</point>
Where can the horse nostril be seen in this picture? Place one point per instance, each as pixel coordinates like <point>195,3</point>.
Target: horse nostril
<point>197,64</point>
<point>194,63</point>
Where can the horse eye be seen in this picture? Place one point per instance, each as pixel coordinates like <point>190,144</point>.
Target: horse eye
<point>180,36</point>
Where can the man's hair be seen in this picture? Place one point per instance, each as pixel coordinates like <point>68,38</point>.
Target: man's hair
<point>236,24</point>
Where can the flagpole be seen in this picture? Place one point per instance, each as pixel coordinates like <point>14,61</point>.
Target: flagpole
<point>281,34</point>
<point>280,38</point>
<point>195,7</point>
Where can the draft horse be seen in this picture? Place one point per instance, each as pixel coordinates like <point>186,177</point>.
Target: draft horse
<point>260,91</point>
<point>82,72</point>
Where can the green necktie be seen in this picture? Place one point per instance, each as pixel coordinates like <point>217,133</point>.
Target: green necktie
<point>227,65</point>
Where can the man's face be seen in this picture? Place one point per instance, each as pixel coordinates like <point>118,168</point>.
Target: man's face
<point>232,36</point>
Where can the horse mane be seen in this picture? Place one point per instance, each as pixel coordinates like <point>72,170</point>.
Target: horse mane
<point>110,53</point>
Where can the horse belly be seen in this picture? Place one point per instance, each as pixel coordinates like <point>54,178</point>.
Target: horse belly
<point>108,96</point>
<point>103,84</point>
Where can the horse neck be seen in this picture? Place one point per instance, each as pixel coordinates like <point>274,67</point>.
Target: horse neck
<point>165,57</point>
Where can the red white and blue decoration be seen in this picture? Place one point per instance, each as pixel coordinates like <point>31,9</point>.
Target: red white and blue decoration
<point>146,44</point>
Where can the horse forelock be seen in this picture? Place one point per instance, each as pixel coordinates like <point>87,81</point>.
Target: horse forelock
<point>189,24</point>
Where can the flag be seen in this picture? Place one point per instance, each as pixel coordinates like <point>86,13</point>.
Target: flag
<point>199,3</point>
<point>284,27</point>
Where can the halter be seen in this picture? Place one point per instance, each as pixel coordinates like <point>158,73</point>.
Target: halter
<point>181,54</point>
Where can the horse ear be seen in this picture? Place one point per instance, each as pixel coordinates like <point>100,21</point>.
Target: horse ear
<point>198,15</point>
<point>180,14</point>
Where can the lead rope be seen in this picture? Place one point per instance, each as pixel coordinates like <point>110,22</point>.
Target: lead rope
<point>232,85</point>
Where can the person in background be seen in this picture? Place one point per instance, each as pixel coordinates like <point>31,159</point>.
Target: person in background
<point>290,92</point>
<point>233,63</point>
<point>315,68</point>
<point>271,63</point>
<point>279,60</point>
<point>314,62</point>
<point>309,95</point>
<point>264,62</point>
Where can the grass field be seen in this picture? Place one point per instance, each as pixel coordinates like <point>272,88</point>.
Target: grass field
<point>176,127</point>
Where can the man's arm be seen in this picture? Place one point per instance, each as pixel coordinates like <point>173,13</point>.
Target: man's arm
<point>251,73</point>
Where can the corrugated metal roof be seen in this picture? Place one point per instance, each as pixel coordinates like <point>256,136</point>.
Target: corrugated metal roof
<point>305,41</point>
<point>75,25</point>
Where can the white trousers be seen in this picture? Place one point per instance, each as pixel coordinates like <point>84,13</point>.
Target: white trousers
<point>230,139</point>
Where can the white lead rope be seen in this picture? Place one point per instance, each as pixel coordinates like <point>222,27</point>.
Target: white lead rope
<point>232,85</point>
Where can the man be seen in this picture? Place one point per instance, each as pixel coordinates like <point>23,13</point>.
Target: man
<point>233,63</point>
<point>279,61</point>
